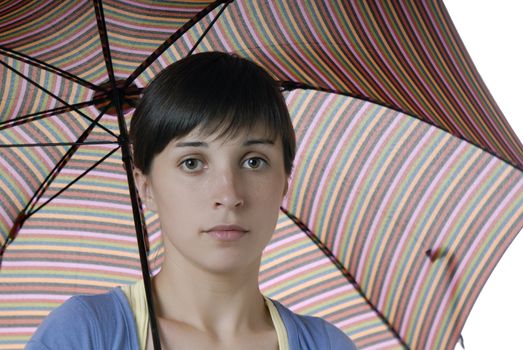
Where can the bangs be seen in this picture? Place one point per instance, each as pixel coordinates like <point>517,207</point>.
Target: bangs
<point>224,108</point>
<point>218,94</point>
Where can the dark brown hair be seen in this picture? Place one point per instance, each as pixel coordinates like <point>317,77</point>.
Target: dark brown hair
<point>215,91</point>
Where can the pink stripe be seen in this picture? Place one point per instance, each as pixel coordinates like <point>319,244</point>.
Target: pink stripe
<point>64,265</point>
<point>362,112</point>
<point>39,150</point>
<point>301,152</point>
<point>321,297</point>
<point>162,61</point>
<point>153,236</point>
<point>421,42</point>
<point>276,245</point>
<point>356,319</point>
<point>6,219</point>
<point>20,181</point>
<point>19,131</point>
<point>75,62</point>
<point>372,157</point>
<point>29,11</point>
<point>362,63</point>
<point>88,27</point>
<point>430,14</point>
<point>140,28</point>
<point>363,175</point>
<point>420,210</point>
<point>17,330</point>
<point>406,58</point>
<point>399,181</point>
<point>294,272</point>
<point>471,252</point>
<point>23,86</point>
<point>117,47</point>
<point>55,232</point>
<point>450,222</point>
<point>92,203</point>
<point>444,232</point>
<point>155,271</point>
<point>109,175</point>
<point>399,178</point>
<point>219,33</point>
<point>162,8</point>
<point>273,59</point>
<point>30,297</point>
<point>64,129</point>
<point>108,147</point>
<point>345,40</point>
<point>377,80</point>
<point>389,344</point>
<point>48,25</point>
<point>298,53</point>
<point>327,174</point>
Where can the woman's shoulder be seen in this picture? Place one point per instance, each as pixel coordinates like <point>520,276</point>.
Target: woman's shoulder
<point>86,322</point>
<point>88,309</point>
<point>310,332</point>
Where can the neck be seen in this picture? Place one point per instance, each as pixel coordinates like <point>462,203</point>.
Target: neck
<point>221,302</point>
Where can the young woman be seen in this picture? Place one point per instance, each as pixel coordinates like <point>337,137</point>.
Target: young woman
<point>213,148</point>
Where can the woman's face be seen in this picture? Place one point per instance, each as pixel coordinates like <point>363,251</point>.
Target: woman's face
<point>218,199</point>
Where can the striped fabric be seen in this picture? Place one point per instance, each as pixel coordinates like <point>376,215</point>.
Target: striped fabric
<point>407,186</point>
<point>415,215</point>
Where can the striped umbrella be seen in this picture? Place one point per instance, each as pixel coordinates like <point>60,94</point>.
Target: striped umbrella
<point>407,188</point>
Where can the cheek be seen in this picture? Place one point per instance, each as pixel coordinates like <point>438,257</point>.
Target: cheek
<point>268,192</point>
<point>176,200</point>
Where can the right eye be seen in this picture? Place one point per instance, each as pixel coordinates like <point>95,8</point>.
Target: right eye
<point>191,165</point>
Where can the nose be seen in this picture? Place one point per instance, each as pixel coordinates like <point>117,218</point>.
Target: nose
<point>227,191</point>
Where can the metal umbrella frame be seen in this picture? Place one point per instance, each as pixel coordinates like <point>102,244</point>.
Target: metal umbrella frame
<point>407,187</point>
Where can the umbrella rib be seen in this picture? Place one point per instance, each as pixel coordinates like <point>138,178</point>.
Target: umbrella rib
<point>45,66</point>
<point>175,36</point>
<point>329,254</point>
<point>288,85</point>
<point>102,31</point>
<point>79,177</point>
<point>26,213</point>
<point>52,175</point>
<point>56,97</point>
<point>207,30</point>
<point>55,144</point>
<point>45,114</point>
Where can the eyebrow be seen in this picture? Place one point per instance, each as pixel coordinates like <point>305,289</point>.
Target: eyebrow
<point>258,142</point>
<point>204,144</point>
<point>192,144</point>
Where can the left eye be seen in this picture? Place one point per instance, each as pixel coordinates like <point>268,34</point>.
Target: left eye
<point>254,163</point>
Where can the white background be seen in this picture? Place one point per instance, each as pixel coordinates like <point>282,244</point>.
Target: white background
<point>493,34</point>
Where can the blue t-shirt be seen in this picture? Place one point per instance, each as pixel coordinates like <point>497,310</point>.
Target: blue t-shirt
<point>105,321</point>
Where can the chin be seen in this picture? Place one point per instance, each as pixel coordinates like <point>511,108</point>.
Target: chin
<point>228,265</point>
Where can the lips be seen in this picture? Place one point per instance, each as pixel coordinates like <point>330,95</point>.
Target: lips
<point>226,233</point>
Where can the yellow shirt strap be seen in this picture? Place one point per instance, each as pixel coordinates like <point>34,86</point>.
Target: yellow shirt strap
<point>281,332</point>
<point>135,295</point>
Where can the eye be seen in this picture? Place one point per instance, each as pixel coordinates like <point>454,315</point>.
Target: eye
<point>255,163</point>
<point>191,165</point>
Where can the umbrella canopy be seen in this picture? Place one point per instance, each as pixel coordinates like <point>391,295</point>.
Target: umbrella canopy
<point>407,188</point>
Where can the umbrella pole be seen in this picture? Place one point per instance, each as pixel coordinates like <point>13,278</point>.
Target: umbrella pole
<point>141,233</point>
<point>118,94</point>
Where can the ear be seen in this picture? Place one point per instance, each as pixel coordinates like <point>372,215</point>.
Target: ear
<point>143,184</point>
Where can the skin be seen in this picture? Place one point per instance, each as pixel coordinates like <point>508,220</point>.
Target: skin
<point>207,292</point>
